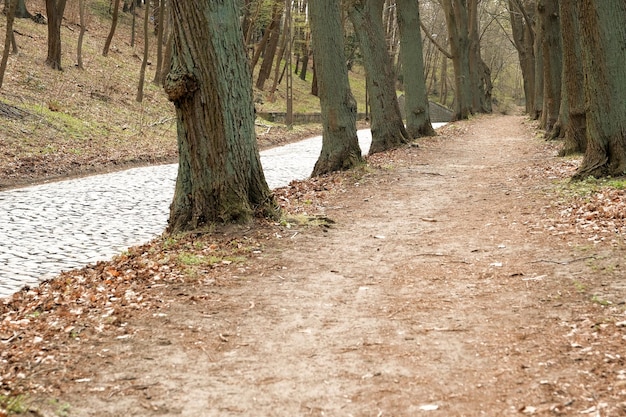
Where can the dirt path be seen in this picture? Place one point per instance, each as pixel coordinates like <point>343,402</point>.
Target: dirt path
<point>439,290</point>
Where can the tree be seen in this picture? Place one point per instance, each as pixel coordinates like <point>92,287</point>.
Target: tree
<point>160,34</point>
<point>144,61</point>
<point>603,36</point>
<point>107,43</point>
<point>340,144</point>
<point>411,56</point>
<point>22,12</point>
<point>81,35</point>
<point>55,10</point>
<point>480,74</point>
<point>388,131</point>
<point>548,11</point>
<point>272,44</point>
<point>521,15</point>
<point>7,40</point>
<point>458,33</point>
<point>220,178</point>
<point>573,116</point>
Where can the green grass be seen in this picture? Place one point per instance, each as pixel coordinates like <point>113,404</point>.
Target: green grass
<point>13,404</point>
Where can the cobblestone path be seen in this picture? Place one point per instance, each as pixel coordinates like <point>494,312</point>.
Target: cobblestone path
<point>48,228</point>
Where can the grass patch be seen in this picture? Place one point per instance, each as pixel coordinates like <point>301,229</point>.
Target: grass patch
<point>13,404</point>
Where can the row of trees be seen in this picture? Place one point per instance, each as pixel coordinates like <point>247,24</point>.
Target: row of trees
<point>572,59</point>
<point>567,50</point>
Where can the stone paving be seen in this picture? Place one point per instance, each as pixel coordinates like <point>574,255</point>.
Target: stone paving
<point>48,228</point>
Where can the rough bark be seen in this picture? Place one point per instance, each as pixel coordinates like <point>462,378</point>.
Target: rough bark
<point>55,10</point>
<point>552,61</point>
<point>603,36</point>
<point>480,74</point>
<point>537,113</point>
<point>416,103</point>
<point>340,145</point>
<point>573,116</point>
<point>220,178</point>
<point>458,33</point>
<point>521,16</point>
<point>388,131</point>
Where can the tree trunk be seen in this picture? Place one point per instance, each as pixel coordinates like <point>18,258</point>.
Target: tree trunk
<point>160,32</point>
<point>552,61</point>
<point>603,36</point>
<point>340,144</point>
<point>458,33</point>
<point>144,61</point>
<point>480,74</point>
<point>133,25</point>
<point>10,11</point>
<point>220,178</point>
<point>107,44</point>
<point>81,35</point>
<point>388,131</point>
<point>272,44</point>
<point>305,65</point>
<point>521,16</point>
<point>411,56</point>
<point>55,10</point>
<point>22,12</point>
<point>574,124</point>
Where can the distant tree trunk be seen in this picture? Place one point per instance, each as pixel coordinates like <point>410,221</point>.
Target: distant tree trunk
<point>279,57</point>
<point>22,12</point>
<point>552,61</point>
<point>272,45</point>
<point>133,25</point>
<point>458,33</point>
<point>10,11</point>
<point>388,131</point>
<point>539,71</point>
<point>81,35</point>
<point>55,10</point>
<point>314,85</point>
<point>305,65</point>
<point>480,74</point>
<point>340,144</point>
<point>521,17</point>
<point>574,125</point>
<point>144,62</point>
<point>220,178</point>
<point>603,36</point>
<point>107,44</point>
<point>411,56</point>
<point>160,30</point>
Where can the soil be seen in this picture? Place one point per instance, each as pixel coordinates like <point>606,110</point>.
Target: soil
<point>450,279</point>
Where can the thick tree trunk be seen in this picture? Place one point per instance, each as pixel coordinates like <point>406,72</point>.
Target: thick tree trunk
<point>55,10</point>
<point>603,36</point>
<point>521,16</point>
<point>552,61</point>
<point>537,113</point>
<point>574,122</point>
<point>220,178</point>
<point>458,33</point>
<point>340,144</point>
<point>480,74</point>
<point>411,56</point>
<point>388,131</point>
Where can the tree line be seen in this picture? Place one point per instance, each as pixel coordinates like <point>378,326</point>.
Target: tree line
<point>569,58</point>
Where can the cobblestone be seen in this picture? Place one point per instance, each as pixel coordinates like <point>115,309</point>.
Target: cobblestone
<point>48,228</point>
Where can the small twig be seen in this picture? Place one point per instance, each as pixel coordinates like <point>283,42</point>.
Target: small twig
<point>563,262</point>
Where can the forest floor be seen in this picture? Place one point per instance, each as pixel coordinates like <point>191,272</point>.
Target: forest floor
<point>463,277</point>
